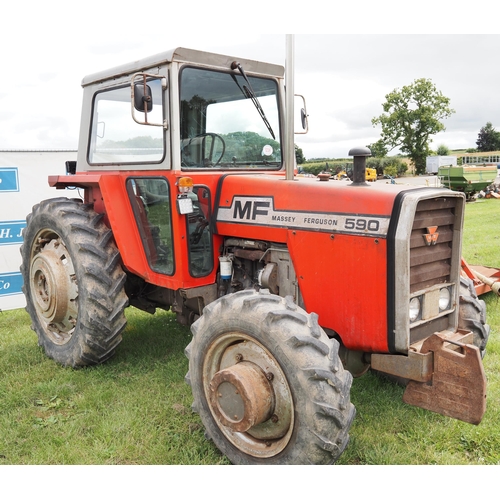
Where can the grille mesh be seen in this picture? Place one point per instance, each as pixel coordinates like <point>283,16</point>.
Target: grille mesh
<point>430,265</point>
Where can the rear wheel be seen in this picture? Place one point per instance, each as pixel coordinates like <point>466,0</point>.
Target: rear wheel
<point>268,383</point>
<point>73,282</point>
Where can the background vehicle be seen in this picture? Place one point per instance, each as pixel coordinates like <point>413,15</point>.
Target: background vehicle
<point>188,205</point>
<point>433,163</point>
<point>371,174</point>
<point>469,179</point>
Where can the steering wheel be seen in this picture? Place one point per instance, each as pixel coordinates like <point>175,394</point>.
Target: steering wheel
<point>208,160</point>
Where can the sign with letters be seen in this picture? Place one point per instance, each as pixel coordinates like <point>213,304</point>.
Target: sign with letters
<point>10,284</point>
<point>23,183</point>
<point>260,210</point>
<point>11,232</point>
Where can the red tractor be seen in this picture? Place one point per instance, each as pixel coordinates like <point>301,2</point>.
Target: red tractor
<point>291,286</point>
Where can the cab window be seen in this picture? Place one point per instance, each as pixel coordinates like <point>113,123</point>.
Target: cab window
<point>150,200</point>
<point>200,251</point>
<point>116,137</point>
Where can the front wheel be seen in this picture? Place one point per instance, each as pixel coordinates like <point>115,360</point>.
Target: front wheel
<point>268,383</point>
<point>73,282</point>
<point>472,314</point>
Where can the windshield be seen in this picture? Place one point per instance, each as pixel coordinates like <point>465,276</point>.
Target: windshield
<point>221,126</point>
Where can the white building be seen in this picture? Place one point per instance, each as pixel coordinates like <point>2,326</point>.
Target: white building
<point>23,183</point>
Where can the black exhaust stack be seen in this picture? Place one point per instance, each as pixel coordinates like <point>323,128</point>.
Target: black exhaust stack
<point>359,166</point>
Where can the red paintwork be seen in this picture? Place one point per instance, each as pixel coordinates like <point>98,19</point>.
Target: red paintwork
<point>108,192</point>
<point>349,292</point>
<point>342,277</point>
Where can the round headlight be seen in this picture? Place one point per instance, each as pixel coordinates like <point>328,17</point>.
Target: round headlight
<point>414,308</point>
<point>444,299</point>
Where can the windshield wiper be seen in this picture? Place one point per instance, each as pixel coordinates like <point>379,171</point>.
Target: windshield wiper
<point>248,91</point>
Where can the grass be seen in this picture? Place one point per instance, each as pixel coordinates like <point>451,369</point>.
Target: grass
<point>135,409</point>
<point>481,240</point>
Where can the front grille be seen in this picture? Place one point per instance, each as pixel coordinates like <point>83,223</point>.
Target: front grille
<point>431,264</point>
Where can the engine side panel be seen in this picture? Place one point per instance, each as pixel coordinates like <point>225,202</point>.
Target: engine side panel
<point>347,288</point>
<point>337,237</point>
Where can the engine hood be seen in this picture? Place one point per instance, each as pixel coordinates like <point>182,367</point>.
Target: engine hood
<point>270,201</point>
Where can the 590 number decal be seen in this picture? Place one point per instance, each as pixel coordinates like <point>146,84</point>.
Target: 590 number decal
<point>370,225</point>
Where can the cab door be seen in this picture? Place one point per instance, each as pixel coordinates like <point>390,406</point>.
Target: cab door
<point>175,245</point>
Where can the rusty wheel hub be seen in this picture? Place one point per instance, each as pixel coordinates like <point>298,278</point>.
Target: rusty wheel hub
<point>50,285</point>
<point>242,396</point>
<point>54,290</point>
<point>248,395</point>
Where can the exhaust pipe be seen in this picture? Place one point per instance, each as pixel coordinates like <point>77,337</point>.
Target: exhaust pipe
<point>359,166</point>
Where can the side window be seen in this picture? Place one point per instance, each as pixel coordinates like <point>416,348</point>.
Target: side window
<point>150,200</point>
<point>116,137</point>
<point>201,258</point>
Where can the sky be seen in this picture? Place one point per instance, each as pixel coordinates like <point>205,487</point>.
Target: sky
<point>48,47</point>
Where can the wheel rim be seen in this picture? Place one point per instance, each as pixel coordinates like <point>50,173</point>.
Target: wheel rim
<point>53,287</point>
<point>248,395</point>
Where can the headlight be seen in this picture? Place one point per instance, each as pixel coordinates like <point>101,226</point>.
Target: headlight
<point>414,308</point>
<point>444,299</point>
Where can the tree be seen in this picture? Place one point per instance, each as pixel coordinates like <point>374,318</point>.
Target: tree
<point>411,116</point>
<point>299,155</point>
<point>488,139</point>
<point>443,150</point>
<point>378,149</point>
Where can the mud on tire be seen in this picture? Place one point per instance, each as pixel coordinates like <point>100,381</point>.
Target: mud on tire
<point>312,413</point>
<point>73,282</point>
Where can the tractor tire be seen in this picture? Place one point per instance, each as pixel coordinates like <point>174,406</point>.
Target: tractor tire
<point>268,383</point>
<point>472,314</point>
<point>73,282</point>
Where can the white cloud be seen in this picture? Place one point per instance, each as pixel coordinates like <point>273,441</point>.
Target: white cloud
<point>49,47</point>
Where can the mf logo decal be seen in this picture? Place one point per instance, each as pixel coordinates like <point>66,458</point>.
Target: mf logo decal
<point>250,209</point>
<point>260,211</point>
<point>431,237</point>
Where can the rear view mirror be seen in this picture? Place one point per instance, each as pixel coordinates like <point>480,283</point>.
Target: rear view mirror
<point>143,99</point>
<point>146,88</point>
<point>303,116</point>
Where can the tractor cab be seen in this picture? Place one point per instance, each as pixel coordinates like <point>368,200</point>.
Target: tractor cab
<point>174,113</point>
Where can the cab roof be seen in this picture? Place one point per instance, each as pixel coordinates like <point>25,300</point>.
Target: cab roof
<point>184,55</point>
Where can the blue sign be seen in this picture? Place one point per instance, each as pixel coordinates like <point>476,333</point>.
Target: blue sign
<point>11,232</point>
<point>10,284</point>
<point>9,181</point>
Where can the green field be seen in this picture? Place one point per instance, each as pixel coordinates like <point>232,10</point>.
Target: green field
<point>136,408</point>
